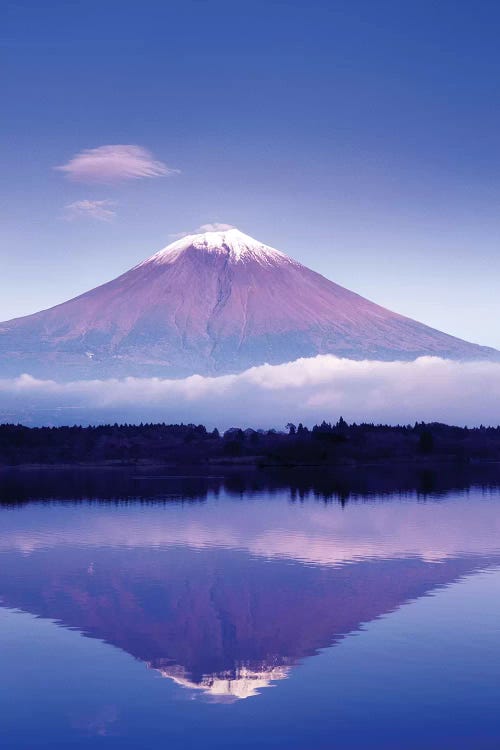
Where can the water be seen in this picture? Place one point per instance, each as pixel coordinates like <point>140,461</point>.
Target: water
<point>185,612</point>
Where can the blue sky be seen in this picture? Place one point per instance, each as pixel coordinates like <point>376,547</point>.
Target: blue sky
<point>363,138</point>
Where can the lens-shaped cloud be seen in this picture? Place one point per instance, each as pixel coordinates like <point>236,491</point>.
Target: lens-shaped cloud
<point>213,227</point>
<point>114,163</point>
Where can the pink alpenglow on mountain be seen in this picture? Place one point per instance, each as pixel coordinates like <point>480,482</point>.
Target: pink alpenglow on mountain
<point>214,303</point>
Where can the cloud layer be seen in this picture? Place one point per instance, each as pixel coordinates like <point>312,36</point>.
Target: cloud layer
<point>114,163</point>
<point>90,209</point>
<point>306,390</point>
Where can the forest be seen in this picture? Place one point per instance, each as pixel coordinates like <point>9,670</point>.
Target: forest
<point>326,444</point>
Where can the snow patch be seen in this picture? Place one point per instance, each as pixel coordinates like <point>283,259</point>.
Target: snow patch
<point>236,245</point>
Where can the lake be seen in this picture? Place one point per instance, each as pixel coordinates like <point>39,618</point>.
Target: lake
<point>152,611</point>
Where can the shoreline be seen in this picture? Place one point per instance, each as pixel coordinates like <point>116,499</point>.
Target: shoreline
<point>258,466</point>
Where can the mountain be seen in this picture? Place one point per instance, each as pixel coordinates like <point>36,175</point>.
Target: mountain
<point>214,303</point>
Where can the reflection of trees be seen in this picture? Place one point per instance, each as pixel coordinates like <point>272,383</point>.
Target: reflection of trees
<point>338,485</point>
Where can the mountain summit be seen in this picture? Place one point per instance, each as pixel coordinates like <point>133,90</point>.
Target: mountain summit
<point>214,303</point>
<point>231,243</point>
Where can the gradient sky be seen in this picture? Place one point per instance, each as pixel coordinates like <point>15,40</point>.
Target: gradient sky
<point>361,137</point>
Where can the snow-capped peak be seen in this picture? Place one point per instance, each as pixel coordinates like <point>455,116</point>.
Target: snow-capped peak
<point>230,242</point>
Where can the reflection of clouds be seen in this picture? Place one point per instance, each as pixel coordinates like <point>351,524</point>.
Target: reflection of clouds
<point>98,724</point>
<point>272,527</point>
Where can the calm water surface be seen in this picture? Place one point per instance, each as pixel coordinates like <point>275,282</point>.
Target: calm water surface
<point>197,615</point>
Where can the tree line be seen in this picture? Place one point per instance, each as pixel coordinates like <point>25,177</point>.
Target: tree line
<point>329,442</point>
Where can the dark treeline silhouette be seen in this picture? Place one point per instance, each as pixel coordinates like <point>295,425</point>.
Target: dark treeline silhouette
<point>325,444</point>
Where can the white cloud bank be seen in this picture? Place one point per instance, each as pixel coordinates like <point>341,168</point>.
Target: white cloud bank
<point>306,390</point>
<point>114,163</point>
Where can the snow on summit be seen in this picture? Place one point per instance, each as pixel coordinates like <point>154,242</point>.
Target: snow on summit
<point>232,243</point>
<point>212,303</point>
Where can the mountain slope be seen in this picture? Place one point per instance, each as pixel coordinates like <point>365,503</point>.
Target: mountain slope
<point>213,303</point>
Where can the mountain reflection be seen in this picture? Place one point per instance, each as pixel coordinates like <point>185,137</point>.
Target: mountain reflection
<point>226,598</point>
